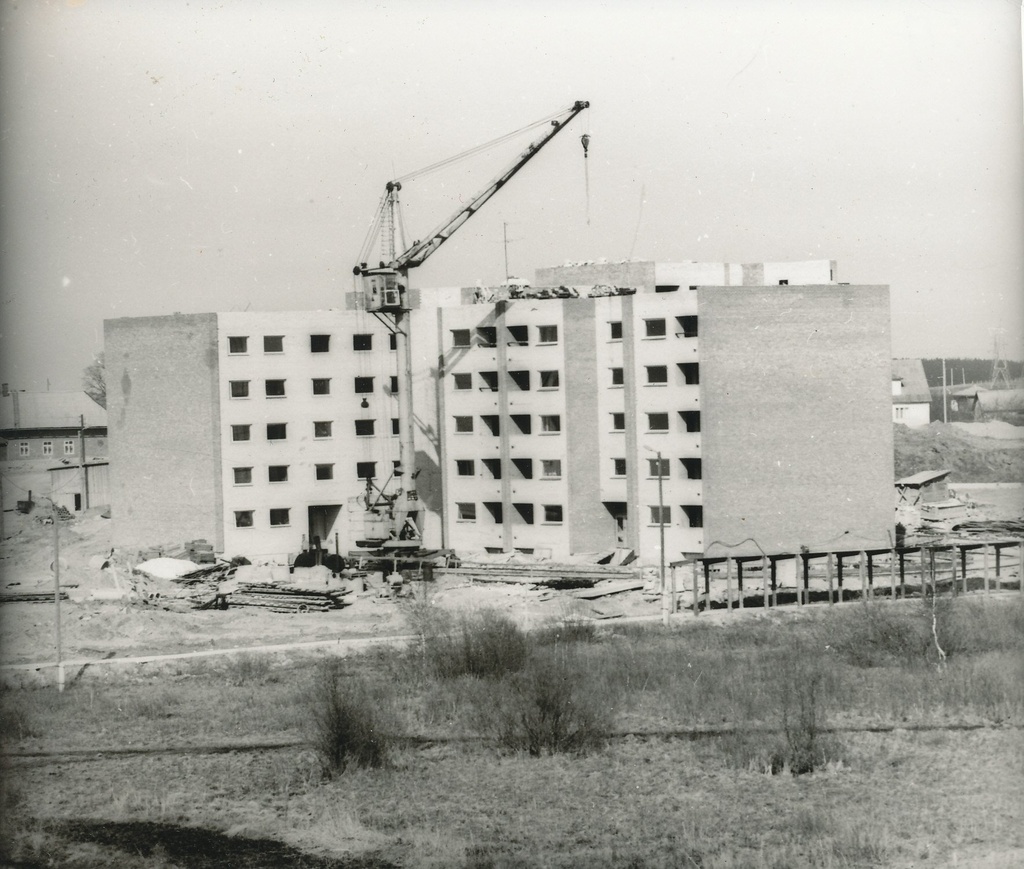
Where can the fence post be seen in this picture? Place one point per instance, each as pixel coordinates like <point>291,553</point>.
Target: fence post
<point>892,573</point>
<point>696,594</point>
<point>828,576</point>
<point>728,583</point>
<point>764,579</point>
<point>984,566</point>
<point>924,574</point>
<point>739,582</point>
<point>774,572</point>
<point>1020,567</point>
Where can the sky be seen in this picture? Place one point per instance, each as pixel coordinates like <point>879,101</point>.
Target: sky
<point>162,156</point>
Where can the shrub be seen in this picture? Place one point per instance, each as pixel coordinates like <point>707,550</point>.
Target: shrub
<point>350,726</point>
<point>484,644</point>
<point>553,705</point>
<point>569,629</point>
<point>248,669</point>
<point>876,634</point>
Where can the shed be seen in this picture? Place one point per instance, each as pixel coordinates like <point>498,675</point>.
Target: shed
<point>924,487</point>
<point>79,487</point>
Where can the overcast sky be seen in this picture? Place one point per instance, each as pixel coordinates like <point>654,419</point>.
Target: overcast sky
<point>164,156</point>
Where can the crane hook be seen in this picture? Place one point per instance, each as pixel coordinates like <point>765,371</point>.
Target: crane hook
<point>585,139</point>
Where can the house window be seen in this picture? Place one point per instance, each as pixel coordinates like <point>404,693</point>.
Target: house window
<point>463,424</point>
<point>661,515</point>
<point>47,448</point>
<point>666,288</point>
<point>657,422</point>
<point>394,384</point>
<point>23,448</point>
<point>492,423</point>
<point>273,343</point>
<point>321,386</point>
<point>243,476</point>
<point>279,516</point>
<point>519,335</point>
<point>325,472</point>
<point>462,381</point>
<point>274,388</point>
<point>364,427</point>
<point>277,431</point>
<point>69,448</point>
<point>618,467</point>
<point>551,424</point>
<point>238,344</point>
<point>319,343</point>
<point>553,514</point>
<point>551,467</point>
<point>694,515</point>
<point>239,388</point>
<point>239,432</point>
<point>460,338</point>
<point>615,328</point>
<point>467,511</point>
<point>363,385</point>
<point>783,283</point>
<point>366,470</point>
<point>549,380</point>
<point>487,336</point>
<point>618,422</point>
<point>654,328</point>
<point>322,429</point>
<point>465,467</point>
<point>243,518</point>
<point>657,375</point>
<point>362,341</point>
<point>392,341</point>
<point>490,381</point>
<point>277,474</point>
<point>688,325</point>
<point>899,412</point>
<point>658,468</point>
<point>547,334</point>
<point>394,425</point>
<point>523,422</point>
<point>617,379</point>
<point>521,379</point>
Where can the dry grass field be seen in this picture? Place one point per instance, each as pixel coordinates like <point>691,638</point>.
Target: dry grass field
<point>824,737</point>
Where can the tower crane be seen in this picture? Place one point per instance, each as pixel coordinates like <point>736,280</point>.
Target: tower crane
<point>392,518</point>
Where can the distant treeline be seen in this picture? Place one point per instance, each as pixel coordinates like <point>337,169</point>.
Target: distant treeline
<point>967,371</point>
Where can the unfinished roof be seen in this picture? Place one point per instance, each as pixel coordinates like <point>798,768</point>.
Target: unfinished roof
<point>910,372</point>
<point>37,410</point>
<point>922,478</point>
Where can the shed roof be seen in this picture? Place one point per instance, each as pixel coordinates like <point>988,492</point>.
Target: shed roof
<point>922,478</point>
<point>910,372</point>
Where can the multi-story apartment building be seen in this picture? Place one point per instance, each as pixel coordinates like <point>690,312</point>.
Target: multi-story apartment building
<point>628,401</point>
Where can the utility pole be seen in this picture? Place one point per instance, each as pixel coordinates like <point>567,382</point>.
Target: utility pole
<point>504,235</point>
<point>81,462</point>
<point>56,595</point>
<point>661,537</point>
<point>945,400</point>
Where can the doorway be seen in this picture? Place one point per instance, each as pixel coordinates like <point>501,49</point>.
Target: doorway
<point>322,519</point>
<point>618,512</point>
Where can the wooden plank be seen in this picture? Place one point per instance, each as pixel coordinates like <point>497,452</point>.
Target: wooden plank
<point>603,589</point>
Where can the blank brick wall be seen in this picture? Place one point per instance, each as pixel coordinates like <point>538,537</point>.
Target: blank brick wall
<point>162,416</point>
<point>796,416</point>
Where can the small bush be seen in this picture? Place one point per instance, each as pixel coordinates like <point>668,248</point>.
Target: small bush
<point>570,629</point>
<point>552,706</point>
<point>248,669</point>
<point>349,725</point>
<point>484,644</point>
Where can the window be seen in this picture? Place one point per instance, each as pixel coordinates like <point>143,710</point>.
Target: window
<point>325,472</point>
<point>238,344</point>
<point>666,288</point>
<point>525,511</point>
<point>363,385</point>
<point>243,476</point>
<point>657,422</point>
<point>494,508</point>
<point>549,380</point>
<point>692,287</point>
<point>366,470</point>
<point>239,432</point>
<point>319,343</point>
<point>899,412</point>
<point>277,431</point>
<point>462,381</point>
<point>322,429</point>
<point>395,425</point>
<point>392,341</point>
<point>492,423</point>
<point>657,375</point>
<point>494,466</point>
<point>393,384</point>
<point>365,427</point>
<point>279,516</point>
<point>691,419</point>
<point>618,467</point>
<point>487,336</point>
<point>277,474</point>
<point>694,515</point>
<point>465,467</point>
<point>467,511</point>
<point>275,388</point>
<point>658,468</point>
<point>617,379</point>
<point>615,328</point>
<point>551,467</point>
<point>362,341</point>
<point>690,372</point>
<point>243,518</point>
<point>692,468</point>
<point>490,381</point>
<point>321,386</point>
<point>688,326</point>
<point>654,328</point>
<point>783,283</point>
<point>519,335</point>
<point>521,379</point>
<point>47,448</point>
<point>661,515</point>
<point>239,388</point>
<point>273,343</point>
<point>618,422</point>
<point>525,467</point>
<point>523,422</point>
<point>460,338</point>
<point>547,334</point>
<point>553,514</point>
<point>23,448</point>
<point>463,424</point>
<point>551,424</point>
<point>69,448</point>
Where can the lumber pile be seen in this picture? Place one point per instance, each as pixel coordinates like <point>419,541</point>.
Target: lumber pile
<point>284,599</point>
<point>30,596</point>
<point>542,575</point>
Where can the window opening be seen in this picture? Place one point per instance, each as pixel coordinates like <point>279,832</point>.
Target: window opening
<point>319,343</point>
<point>553,514</point>
<point>551,467</point>
<point>521,379</point>
<point>654,328</point>
<point>321,386</point>
<point>691,419</point>
<point>239,388</point>
<point>362,341</point>
<point>243,518</point>
<point>273,343</point>
<point>465,467</point>
<point>467,511</point>
<point>462,381</point>
<point>279,516</point>
<point>525,467</point>
<point>322,429</point>
<point>525,512</point>
<point>238,344</point>
<point>463,424</point>
<point>277,431</point>
<point>549,380</point>
<point>277,474</point>
<point>657,422</point>
<point>274,388</point>
<point>239,432</point>
<point>493,466</point>
<point>519,335</point>
<point>547,334</point>
<point>325,472</point>
<point>243,476</point>
<point>365,427</point>
<point>523,422</point>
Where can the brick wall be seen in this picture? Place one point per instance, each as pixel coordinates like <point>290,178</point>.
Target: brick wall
<point>796,416</point>
<point>162,414</point>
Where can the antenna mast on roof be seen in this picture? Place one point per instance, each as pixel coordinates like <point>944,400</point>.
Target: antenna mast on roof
<point>1000,378</point>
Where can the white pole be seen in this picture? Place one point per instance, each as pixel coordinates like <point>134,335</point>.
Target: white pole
<point>56,597</point>
<point>661,535</point>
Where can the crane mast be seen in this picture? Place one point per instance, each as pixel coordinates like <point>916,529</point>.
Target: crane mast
<point>392,520</point>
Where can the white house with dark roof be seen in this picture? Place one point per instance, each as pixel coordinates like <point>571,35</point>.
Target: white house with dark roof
<point>911,398</point>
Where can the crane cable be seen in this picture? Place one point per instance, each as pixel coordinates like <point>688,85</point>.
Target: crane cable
<point>585,141</point>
